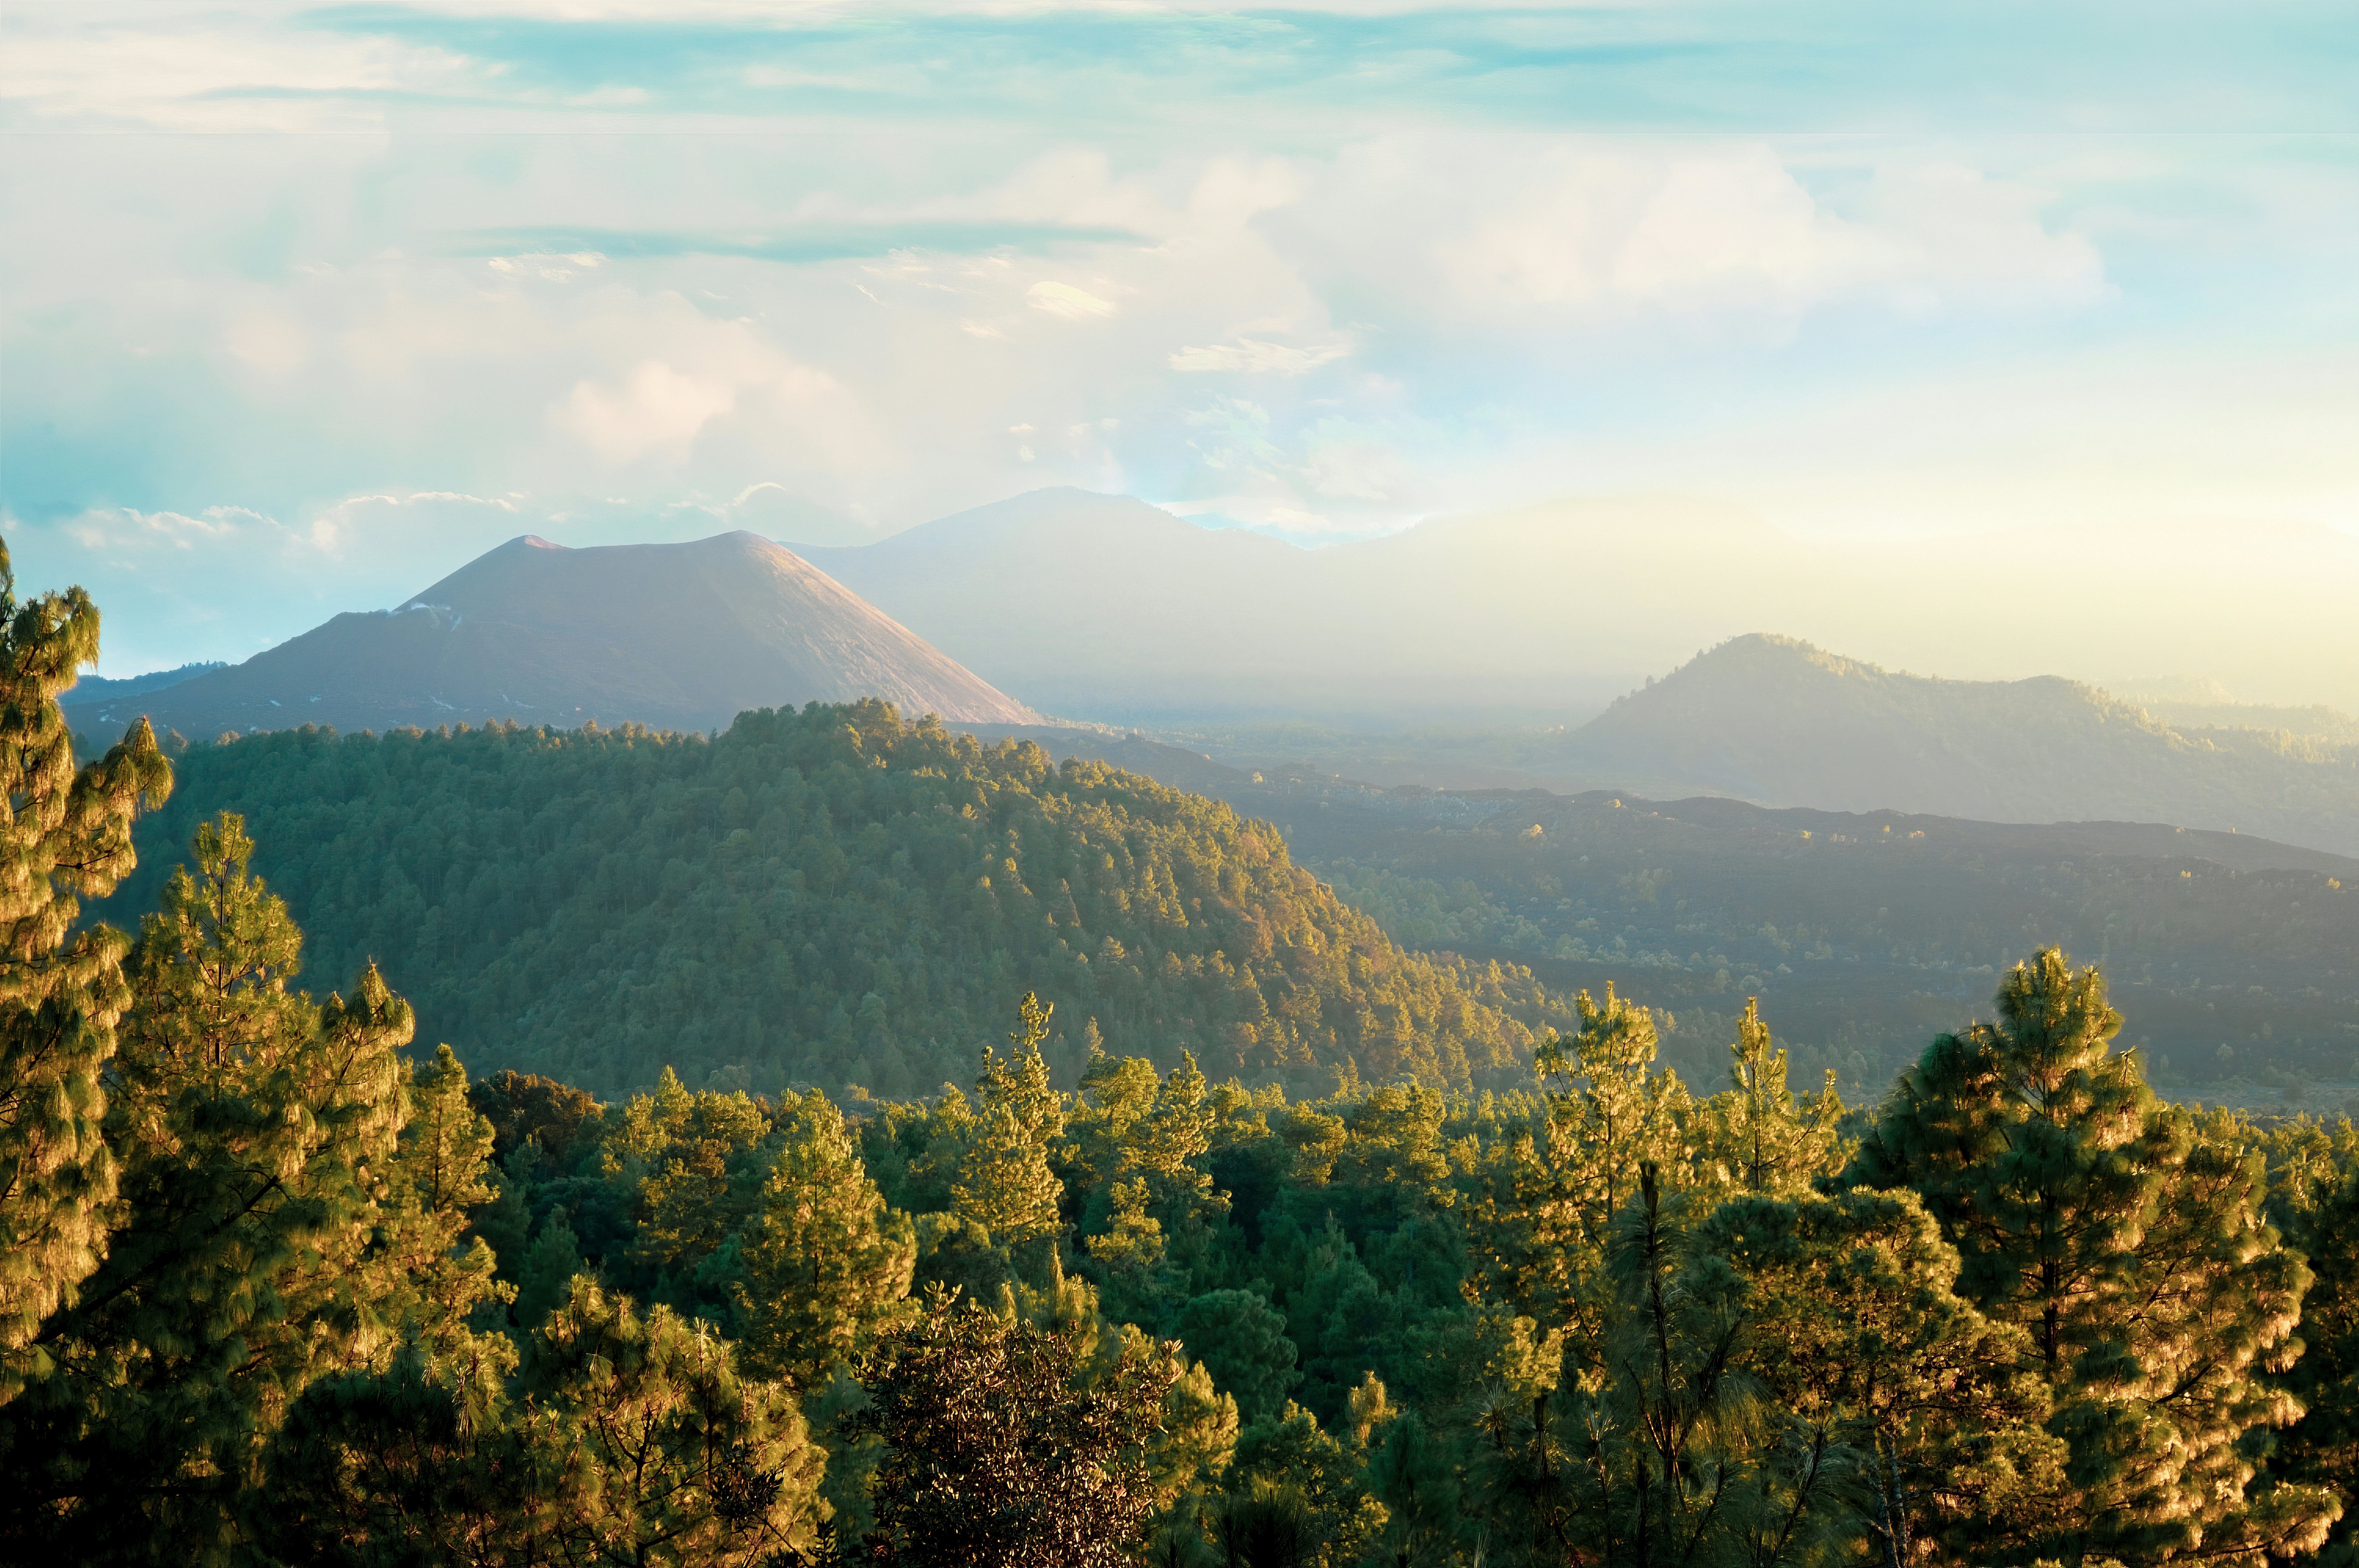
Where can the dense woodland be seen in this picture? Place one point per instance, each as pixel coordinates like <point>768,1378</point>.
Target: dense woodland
<point>826,897</point>
<point>277,1284</point>
<point>1865,933</point>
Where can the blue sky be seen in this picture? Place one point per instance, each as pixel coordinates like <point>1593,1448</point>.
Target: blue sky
<point>302,306</point>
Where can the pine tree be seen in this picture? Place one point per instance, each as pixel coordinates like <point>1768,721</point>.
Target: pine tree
<point>827,1265</point>
<point>637,1440</point>
<point>1004,1183</point>
<point>64,833</point>
<point>1242,1339</point>
<point>2129,1240</point>
<point>1545,1236</point>
<point>424,1283</point>
<point>668,1451</point>
<point>256,1132</point>
<point>695,1159</point>
<point>1755,1137</point>
<point>1884,1382</point>
<point>2316,1202</point>
<point>545,1274</point>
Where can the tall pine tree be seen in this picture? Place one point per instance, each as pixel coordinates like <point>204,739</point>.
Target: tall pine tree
<point>2128,1239</point>
<point>256,1133</point>
<point>63,833</point>
<point>827,1264</point>
<point>1004,1183</point>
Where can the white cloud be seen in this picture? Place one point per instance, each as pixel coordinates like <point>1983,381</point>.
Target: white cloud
<point>1254,357</point>
<point>1531,231</point>
<point>655,408</point>
<point>1064,299</point>
<point>204,70</point>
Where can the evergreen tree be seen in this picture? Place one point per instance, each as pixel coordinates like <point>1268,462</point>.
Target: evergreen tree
<point>636,1440</point>
<point>2129,1240</point>
<point>1004,1183</point>
<point>668,1451</point>
<point>1755,1137</point>
<point>1545,1236</point>
<point>1242,1339</point>
<point>2316,1201</point>
<point>256,1132</point>
<point>693,1156</point>
<point>1885,1388</point>
<point>424,1281</point>
<point>827,1265</point>
<point>66,834</point>
<point>545,1277</point>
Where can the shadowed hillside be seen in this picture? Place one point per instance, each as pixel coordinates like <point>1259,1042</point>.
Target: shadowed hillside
<point>669,635</point>
<point>1863,933</point>
<point>1776,720</point>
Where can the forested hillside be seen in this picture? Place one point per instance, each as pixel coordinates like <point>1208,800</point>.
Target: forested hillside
<point>826,896</point>
<point>1863,931</point>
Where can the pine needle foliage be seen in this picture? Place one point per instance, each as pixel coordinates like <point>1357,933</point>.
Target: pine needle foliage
<point>65,834</point>
<point>2129,1240</point>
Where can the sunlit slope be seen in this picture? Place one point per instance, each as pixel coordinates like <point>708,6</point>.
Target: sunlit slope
<point>825,896</point>
<point>684,635</point>
<point>1776,720</point>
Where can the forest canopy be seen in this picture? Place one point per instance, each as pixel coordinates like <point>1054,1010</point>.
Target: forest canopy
<point>831,896</point>
<point>282,1287</point>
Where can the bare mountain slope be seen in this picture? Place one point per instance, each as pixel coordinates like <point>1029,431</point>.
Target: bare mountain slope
<point>680,636</point>
<point>1779,721</point>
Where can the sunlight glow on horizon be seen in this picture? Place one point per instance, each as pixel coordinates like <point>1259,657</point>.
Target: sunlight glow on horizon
<point>304,307</point>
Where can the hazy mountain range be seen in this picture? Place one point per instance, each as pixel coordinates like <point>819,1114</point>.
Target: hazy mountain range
<point>1776,721</point>
<point>1105,607</point>
<point>677,636</point>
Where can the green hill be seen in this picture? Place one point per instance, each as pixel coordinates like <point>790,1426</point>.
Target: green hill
<point>1779,721</point>
<point>827,896</point>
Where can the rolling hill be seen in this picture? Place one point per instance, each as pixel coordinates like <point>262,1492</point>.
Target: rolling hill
<point>826,896</point>
<point>680,636</point>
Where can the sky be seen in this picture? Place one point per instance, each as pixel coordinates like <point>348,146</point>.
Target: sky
<point>303,307</point>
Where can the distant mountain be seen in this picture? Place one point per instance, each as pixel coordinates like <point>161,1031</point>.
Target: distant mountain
<point>1781,723</point>
<point>97,689</point>
<point>672,636</point>
<point>2193,701</point>
<point>1104,607</point>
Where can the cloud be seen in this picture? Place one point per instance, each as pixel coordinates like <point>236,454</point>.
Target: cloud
<point>1064,299</point>
<point>1254,357</point>
<point>656,408</point>
<point>1553,231</point>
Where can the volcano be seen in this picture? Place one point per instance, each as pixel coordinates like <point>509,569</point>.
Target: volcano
<point>680,636</point>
